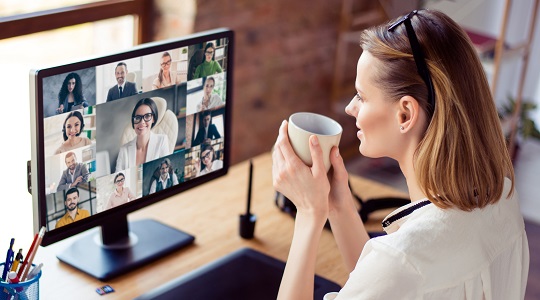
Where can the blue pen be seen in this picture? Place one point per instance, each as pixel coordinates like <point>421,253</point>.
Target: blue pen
<point>9,260</point>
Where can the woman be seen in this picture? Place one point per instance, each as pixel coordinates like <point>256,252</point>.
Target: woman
<point>121,194</point>
<point>165,77</point>
<point>208,161</point>
<point>437,118</point>
<point>71,131</point>
<point>210,99</point>
<point>146,145</point>
<point>71,95</point>
<point>209,66</point>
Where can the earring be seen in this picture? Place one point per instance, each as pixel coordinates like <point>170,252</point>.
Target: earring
<point>401,128</point>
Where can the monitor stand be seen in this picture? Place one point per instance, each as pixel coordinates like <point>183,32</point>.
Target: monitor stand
<point>123,247</point>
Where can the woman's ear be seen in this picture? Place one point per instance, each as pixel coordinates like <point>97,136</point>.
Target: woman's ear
<point>408,113</point>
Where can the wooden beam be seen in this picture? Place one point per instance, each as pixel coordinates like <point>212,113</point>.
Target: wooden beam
<point>23,24</point>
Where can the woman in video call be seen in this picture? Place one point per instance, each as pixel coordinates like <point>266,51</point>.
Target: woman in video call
<point>121,193</point>
<point>71,95</point>
<point>463,226</point>
<point>165,77</point>
<point>146,145</point>
<point>71,131</point>
<point>208,163</point>
<point>209,66</point>
<point>210,99</point>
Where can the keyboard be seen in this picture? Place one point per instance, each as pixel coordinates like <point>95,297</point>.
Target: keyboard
<point>243,274</point>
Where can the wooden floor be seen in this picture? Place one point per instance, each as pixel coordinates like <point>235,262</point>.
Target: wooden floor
<point>388,172</point>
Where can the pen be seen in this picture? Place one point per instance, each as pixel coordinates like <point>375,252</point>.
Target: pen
<point>18,259</point>
<point>23,265</point>
<point>29,259</point>
<point>34,271</point>
<point>9,260</point>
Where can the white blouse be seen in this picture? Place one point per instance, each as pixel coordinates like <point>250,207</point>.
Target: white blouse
<point>435,253</point>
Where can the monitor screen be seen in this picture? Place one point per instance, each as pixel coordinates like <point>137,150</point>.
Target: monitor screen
<point>115,133</point>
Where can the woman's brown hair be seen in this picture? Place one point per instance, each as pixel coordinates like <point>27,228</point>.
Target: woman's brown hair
<point>462,159</point>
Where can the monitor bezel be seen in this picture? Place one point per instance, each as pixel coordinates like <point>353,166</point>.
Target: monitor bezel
<point>37,133</point>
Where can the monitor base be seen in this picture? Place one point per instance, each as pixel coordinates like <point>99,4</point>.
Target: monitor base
<point>149,241</point>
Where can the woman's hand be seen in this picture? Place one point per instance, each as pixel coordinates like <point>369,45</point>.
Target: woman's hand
<point>60,109</point>
<point>340,196</point>
<point>306,187</point>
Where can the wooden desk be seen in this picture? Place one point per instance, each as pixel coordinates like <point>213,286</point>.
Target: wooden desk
<point>211,213</point>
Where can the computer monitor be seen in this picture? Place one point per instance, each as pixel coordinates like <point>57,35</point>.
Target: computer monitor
<point>116,133</point>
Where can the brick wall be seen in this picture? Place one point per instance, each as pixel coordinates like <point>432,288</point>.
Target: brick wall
<point>284,63</point>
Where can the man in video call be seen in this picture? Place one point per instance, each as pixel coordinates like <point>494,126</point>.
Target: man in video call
<point>206,132</point>
<point>166,179</point>
<point>74,174</point>
<point>123,88</point>
<point>74,213</point>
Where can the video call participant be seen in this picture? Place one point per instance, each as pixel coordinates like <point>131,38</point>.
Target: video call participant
<point>166,178</point>
<point>146,145</point>
<point>121,194</point>
<point>123,88</point>
<point>210,99</point>
<point>71,95</point>
<point>209,66</point>
<point>74,213</point>
<point>74,174</point>
<point>165,77</point>
<point>206,132</point>
<point>209,163</point>
<point>71,131</point>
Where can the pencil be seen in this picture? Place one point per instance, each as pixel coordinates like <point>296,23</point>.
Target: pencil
<point>31,258</point>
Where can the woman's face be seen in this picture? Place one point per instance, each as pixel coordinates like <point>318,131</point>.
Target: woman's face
<point>71,85</point>
<point>73,127</point>
<point>209,53</point>
<point>166,63</point>
<point>208,87</point>
<point>375,114</point>
<point>207,157</point>
<point>119,182</point>
<point>144,126</point>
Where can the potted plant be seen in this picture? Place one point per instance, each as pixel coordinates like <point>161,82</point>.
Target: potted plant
<point>526,127</point>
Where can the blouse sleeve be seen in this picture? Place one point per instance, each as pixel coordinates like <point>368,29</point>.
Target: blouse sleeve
<point>382,273</point>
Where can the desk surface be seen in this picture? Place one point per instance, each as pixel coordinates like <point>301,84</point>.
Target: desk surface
<point>210,212</point>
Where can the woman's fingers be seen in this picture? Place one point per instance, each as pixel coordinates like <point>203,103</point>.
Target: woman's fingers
<point>318,167</point>
<point>340,172</point>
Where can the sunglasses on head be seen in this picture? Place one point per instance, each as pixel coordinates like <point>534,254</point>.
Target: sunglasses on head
<point>418,54</point>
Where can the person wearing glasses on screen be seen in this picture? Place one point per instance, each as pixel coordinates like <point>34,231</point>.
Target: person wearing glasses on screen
<point>146,145</point>
<point>165,77</point>
<point>74,213</point>
<point>422,98</point>
<point>71,95</point>
<point>209,66</point>
<point>71,132</point>
<point>121,193</point>
<point>166,178</point>
<point>208,161</point>
<point>209,99</point>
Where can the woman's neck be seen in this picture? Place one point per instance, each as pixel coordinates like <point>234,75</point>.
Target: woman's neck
<point>74,140</point>
<point>142,141</point>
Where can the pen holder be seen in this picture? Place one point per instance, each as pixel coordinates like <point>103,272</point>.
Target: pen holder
<point>26,290</point>
<point>247,225</point>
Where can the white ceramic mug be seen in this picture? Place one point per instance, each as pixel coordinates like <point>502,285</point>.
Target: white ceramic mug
<point>304,124</point>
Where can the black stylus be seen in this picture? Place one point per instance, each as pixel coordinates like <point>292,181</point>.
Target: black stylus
<point>247,221</point>
<point>249,188</point>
